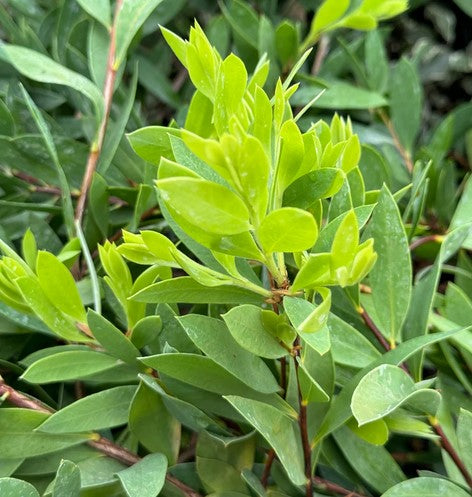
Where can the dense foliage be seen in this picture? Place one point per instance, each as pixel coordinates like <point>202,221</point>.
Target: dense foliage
<point>236,251</point>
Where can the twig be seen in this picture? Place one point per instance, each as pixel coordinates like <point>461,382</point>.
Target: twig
<point>425,239</point>
<point>100,443</point>
<point>303,423</point>
<point>401,149</point>
<point>373,327</point>
<point>448,447</point>
<point>267,467</point>
<point>321,53</point>
<point>334,487</point>
<point>378,334</point>
<point>108,97</point>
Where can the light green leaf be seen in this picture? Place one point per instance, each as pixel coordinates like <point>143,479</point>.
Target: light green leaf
<point>98,9</point>
<point>145,478</point>
<point>11,487</point>
<point>212,337</point>
<point>426,487</point>
<point>206,204</point>
<point>112,339</point>
<point>67,482</point>
<point>307,317</point>
<point>105,409</point>
<point>287,230</point>
<point>246,324</point>
<point>39,67</point>
<point>185,289</point>
<point>329,12</point>
<point>71,365</point>
<point>384,389</point>
<point>47,312</point>
<point>279,430</point>
<point>131,17</point>
<point>152,143</point>
<point>59,285</point>
<point>391,276</point>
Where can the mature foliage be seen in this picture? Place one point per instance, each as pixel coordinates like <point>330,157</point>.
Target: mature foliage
<point>252,280</point>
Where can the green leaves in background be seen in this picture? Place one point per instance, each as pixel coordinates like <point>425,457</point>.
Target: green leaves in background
<point>390,278</point>
<point>145,478</point>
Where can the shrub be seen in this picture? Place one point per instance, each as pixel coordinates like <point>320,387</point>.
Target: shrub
<point>291,316</point>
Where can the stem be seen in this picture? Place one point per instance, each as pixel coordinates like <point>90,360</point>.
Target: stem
<point>321,53</point>
<point>425,239</point>
<point>334,487</point>
<point>97,145</point>
<point>448,447</point>
<point>372,326</point>
<point>267,467</point>
<point>378,334</point>
<point>303,423</point>
<point>100,443</point>
<point>401,149</point>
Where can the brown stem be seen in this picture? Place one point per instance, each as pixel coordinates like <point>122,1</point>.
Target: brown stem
<point>334,487</point>
<point>267,467</point>
<point>401,149</point>
<point>425,239</point>
<point>100,443</point>
<point>303,423</point>
<point>378,334</point>
<point>372,326</point>
<point>448,447</point>
<point>108,97</point>
<point>321,53</point>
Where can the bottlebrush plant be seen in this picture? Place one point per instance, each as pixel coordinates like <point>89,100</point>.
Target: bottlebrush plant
<point>268,341</point>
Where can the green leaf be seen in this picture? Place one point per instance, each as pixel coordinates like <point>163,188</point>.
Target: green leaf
<point>38,301</point>
<point>105,409</point>
<point>287,230</point>
<point>59,285</point>
<point>464,437</point>
<point>68,211</point>
<point>148,406</point>
<point>374,464</point>
<point>384,389</point>
<point>11,487</point>
<point>340,410</point>
<point>246,325</point>
<point>69,365</point>
<point>348,345</point>
<point>339,95</point>
<point>39,67</point>
<point>185,289</point>
<point>98,9</point>
<point>391,276</point>
<point>152,143</point>
<point>376,61</point>
<point>131,17</point>
<point>426,487</point>
<point>67,482</point>
<point>206,204</point>
<point>112,339</point>
<point>280,431</point>
<point>145,478</point>
<point>406,102</point>
<point>212,337</point>
<point>18,440</point>
<point>199,371</point>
